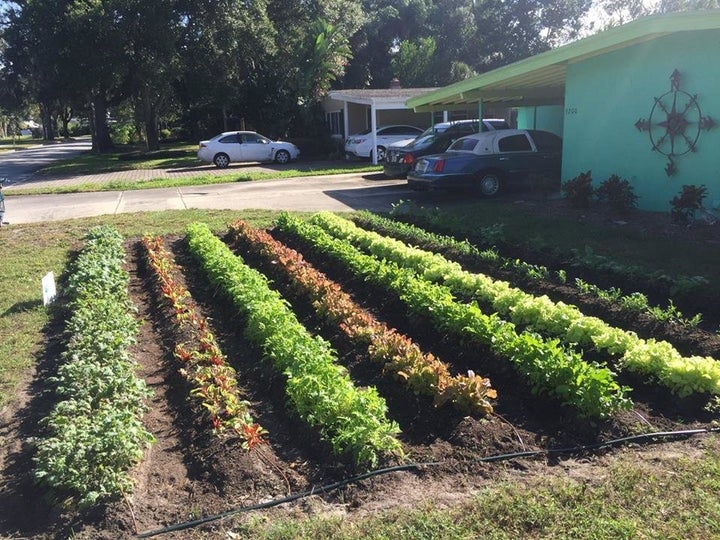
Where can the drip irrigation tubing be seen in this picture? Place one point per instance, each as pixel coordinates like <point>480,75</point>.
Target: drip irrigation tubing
<point>648,438</point>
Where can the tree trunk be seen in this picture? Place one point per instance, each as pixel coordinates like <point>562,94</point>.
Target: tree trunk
<point>150,117</point>
<point>101,140</point>
<point>47,122</point>
<point>65,117</point>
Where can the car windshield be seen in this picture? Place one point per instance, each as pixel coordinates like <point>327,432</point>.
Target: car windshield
<point>422,140</point>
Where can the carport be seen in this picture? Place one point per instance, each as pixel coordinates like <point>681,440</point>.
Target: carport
<point>369,108</point>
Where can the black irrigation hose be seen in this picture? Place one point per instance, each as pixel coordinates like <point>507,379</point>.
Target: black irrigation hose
<point>643,438</point>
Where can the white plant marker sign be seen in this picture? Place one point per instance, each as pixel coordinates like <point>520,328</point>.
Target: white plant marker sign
<point>48,288</point>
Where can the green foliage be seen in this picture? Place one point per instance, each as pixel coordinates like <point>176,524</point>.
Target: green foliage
<point>353,420</point>
<point>94,433</point>
<point>538,313</point>
<point>548,368</point>
<point>686,203</point>
<point>413,63</point>
<point>579,191</point>
<point>617,193</point>
<point>124,133</point>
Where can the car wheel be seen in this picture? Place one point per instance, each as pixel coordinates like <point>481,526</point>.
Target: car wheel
<point>380,153</point>
<point>282,156</point>
<point>221,161</point>
<point>489,184</point>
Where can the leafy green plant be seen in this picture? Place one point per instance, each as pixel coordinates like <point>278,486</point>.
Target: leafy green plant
<point>203,363</point>
<point>617,193</point>
<point>579,191</point>
<point>686,203</point>
<point>353,420</point>
<point>547,367</point>
<point>94,434</point>
<point>424,373</point>
<point>540,313</point>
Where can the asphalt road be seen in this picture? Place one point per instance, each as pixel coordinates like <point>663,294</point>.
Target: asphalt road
<point>20,165</point>
<point>336,193</point>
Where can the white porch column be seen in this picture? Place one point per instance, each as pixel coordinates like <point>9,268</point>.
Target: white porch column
<point>346,122</point>
<point>373,127</point>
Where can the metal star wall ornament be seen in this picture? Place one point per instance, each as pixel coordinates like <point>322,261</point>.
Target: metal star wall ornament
<point>675,123</point>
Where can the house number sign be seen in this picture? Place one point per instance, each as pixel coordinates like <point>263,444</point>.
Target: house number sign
<point>675,123</point>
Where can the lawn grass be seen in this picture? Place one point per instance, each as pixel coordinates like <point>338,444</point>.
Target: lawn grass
<point>126,158</point>
<point>22,142</point>
<point>668,496</point>
<point>199,179</point>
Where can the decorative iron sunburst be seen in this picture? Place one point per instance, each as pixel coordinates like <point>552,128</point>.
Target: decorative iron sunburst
<point>675,123</point>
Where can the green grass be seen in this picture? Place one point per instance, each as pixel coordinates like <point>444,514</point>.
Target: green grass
<point>171,156</point>
<point>127,158</point>
<point>10,144</point>
<point>200,179</point>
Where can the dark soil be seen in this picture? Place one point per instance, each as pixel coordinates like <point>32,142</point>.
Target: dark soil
<point>189,473</point>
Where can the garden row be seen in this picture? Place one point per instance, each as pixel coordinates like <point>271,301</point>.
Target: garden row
<point>545,366</point>
<point>203,365</point>
<point>658,360</point>
<point>94,434</point>
<point>490,260</point>
<point>563,267</point>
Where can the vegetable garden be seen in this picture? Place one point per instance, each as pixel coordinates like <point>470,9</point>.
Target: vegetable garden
<point>205,374</point>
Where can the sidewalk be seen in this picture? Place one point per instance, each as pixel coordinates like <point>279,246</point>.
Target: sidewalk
<point>342,192</point>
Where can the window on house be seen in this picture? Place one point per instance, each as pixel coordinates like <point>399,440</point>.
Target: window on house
<point>335,122</point>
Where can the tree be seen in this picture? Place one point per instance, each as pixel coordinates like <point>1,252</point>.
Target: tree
<point>387,23</point>
<point>225,48</point>
<point>414,63</point>
<point>510,30</point>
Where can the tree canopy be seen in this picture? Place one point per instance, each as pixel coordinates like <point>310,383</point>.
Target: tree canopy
<point>206,65</point>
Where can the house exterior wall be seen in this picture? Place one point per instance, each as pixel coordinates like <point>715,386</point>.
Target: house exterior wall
<point>606,96</point>
<point>545,117</point>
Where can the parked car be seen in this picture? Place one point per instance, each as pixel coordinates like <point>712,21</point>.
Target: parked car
<point>245,146</point>
<point>360,144</point>
<point>492,161</point>
<point>400,158</point>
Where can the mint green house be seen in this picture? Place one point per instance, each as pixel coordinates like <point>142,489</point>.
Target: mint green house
<point>640,100</point>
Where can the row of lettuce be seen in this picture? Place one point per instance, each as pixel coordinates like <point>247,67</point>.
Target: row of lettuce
<point>682,375</point>
<point>491,260</point>
<point>95,434</point>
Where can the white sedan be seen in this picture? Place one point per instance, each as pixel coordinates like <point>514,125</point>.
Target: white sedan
<point>245,146</point>
<point>360,144</point>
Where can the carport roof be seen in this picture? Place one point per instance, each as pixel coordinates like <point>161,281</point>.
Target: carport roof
<point>381,97</point>
<point>540,79</point>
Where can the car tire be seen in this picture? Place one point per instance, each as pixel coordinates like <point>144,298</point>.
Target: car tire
<point>380,154</point>
<point>221,160</point>
<point>489,184</point>
<point>282,157</point>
